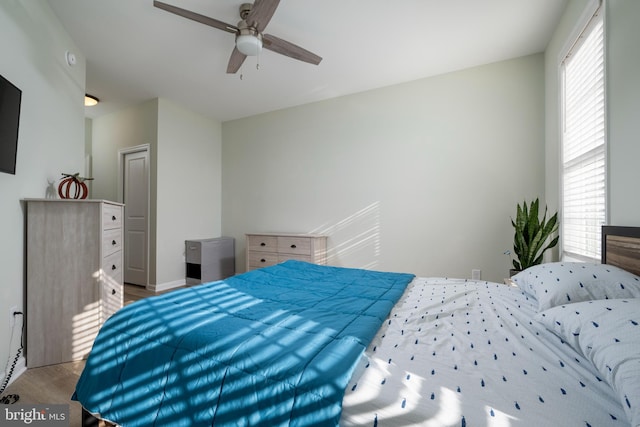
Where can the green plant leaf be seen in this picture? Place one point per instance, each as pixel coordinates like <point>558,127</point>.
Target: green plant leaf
<point>531,234</point>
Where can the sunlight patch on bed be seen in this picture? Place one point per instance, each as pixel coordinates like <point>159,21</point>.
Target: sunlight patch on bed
<point>450,411</point>
<point>496,418</point>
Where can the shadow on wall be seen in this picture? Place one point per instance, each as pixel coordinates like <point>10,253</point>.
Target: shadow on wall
<point>355,239</point>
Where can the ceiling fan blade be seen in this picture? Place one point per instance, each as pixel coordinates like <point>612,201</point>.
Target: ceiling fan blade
<point>289,49</point>
<point>196,17</point>
<point>235,61</point>
<point>261,13</point>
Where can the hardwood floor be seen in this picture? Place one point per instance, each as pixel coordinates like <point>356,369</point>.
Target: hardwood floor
<point>55,384</point>
<point>50,385</point>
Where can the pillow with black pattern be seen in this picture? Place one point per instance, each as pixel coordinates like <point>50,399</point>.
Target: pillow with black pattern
<point>606,332</point>
<point>559,283</point>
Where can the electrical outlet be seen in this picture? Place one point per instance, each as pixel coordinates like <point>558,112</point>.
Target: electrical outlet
<point>476,274</point>
<point>12,317</point>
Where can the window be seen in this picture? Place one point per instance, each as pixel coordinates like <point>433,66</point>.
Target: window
<point>583,204</point>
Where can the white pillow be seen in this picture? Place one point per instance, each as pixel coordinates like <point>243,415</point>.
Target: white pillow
<point>607,332</point>
<point>558,283</point>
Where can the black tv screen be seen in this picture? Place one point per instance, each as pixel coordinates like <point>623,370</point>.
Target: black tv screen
<point>10,97</point>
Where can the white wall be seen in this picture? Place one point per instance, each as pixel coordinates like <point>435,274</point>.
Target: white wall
<point>189,185</point>
<point>420,177</point>
<point>51,136</point>
<point>129,127</point>
<point>185,177</point>
<point>623,103</point>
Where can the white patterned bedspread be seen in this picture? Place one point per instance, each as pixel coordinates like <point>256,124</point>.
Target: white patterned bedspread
<point>467,353</point>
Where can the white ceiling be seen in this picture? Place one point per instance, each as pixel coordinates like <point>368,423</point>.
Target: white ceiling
<point>136,52</point>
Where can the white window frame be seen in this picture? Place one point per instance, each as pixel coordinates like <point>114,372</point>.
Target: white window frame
<point>594,13</point>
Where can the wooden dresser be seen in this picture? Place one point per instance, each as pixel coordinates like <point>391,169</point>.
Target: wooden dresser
<point>265,249</point>
<point>74,275</point>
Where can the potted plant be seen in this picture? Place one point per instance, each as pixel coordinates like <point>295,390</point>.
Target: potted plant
<point>531,235</point>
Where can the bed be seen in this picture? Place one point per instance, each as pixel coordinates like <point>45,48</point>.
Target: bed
<point>325,346</point>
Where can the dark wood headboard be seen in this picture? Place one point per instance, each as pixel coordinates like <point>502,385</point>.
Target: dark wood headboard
<point>621,247</point>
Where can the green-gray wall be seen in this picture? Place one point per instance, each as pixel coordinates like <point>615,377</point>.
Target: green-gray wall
<point>420,177</point>
<point>51,136</point>
<point>185,177</point>
<point>623,114</point>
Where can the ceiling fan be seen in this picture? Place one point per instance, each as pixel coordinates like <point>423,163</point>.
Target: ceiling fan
<point>249,32</point>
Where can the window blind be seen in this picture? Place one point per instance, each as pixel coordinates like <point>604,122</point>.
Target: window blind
<point>583,145</point>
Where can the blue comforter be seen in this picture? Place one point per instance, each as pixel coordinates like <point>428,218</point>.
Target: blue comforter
<point>272,347</point>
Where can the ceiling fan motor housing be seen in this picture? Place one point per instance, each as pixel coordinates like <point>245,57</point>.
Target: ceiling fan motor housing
<point>245,8</point>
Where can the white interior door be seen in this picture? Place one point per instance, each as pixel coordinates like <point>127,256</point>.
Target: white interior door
<point>136,215</point>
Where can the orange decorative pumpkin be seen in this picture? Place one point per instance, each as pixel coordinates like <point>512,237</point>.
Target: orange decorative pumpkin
<point>73,187</point>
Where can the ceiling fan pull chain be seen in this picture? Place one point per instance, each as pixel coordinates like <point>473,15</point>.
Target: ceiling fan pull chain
<point>257,55</point>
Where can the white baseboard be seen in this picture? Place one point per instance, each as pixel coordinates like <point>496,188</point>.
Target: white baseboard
<point>19,369</point>
<point>160,287</point>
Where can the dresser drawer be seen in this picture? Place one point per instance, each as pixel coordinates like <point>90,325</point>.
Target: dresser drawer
<point>112,296</point>
<point>263,243</point>
<point>294,245</point>
<point>112,264</point>
<point>111,216</point>
<point>265,249</point>
<point>286,257</point>
<point>111,241</point>
<point>262,259</point>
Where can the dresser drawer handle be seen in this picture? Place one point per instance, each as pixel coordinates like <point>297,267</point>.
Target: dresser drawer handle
<point>113,242</point>
<point>113,267</point>
<point>113,291</point>
<point>293,246</point>
<point>263,260</point>
<point>263,244</point>
<point>113,217</point>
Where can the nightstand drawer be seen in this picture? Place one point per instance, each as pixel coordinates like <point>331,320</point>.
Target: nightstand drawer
<point>193,252</point>
<point>294,245</point>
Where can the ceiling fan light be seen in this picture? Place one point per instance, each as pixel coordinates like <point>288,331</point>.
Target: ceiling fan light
<point>249,45</point>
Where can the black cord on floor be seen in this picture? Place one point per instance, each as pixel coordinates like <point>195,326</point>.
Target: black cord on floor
<point>13,398</point>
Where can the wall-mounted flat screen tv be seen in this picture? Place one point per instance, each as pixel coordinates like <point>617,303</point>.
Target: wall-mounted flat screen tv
<point>10,97</point>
